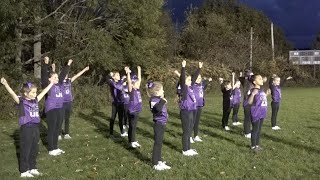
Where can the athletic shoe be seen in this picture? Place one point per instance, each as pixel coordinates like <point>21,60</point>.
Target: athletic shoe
<point>59,137</point>
<point>54,153</point>
<point>137,144</point>
<point>26,174</point>
<point>125,134</point>
<point>193,152</point>
<point>276,128</point>
<point>60,151</point>
<point>191,140</point>
<point>67,136</point>
<point>197,138</point>
<point>163,164</point>
<point>187,153</point>
<point>35,172</point>
<point>248,136</point>
<point>227,128</point>
<point>158,167</point>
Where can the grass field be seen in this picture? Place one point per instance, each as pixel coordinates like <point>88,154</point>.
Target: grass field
<point>291,153</point>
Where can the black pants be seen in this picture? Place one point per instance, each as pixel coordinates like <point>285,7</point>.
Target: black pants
<point>133,121</point>
<point>275,108</point>
<point>197,121</point>
<point>158,139</point>
<point>117,109</point>
<point>29,147</point>
<point>66,112</point>
<point>125,115</point>
<point>247,119</point>
<point>225,115</point>
<point>235,112</point>
<point>54,120</point>
<point>255,133</point>
<point>186,121</point>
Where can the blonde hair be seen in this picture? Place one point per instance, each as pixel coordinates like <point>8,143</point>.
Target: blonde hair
<point>153,88</point>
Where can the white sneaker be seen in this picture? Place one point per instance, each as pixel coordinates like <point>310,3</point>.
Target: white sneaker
<point>54,153</point>
<point>239,123</point>
<point>236,123</point>
<point>276,128</point>
<point>193,152</point>
<point>67,136</point>
<point>133,145</point>
<point>191,140</point>
<point>197,138</point>
<point>124,126</point>
<point>60,151</point>
<point>158,167</point>
<point>59,137</point>
<point>125,134</point>
<point>227,128</point>
<point>26,174</point>
<point>248,136</point>
<point>35,172</point>
<point>163,164</point>
<point>187,153</point>
<point>137,144</point>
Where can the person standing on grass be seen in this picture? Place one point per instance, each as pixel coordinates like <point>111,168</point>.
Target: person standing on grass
<point>135,104</point>
<point>199,88</point>
<point>247,86</point>
<point>54,104</point>
<point>275,87</point>
<point>188,107</point>
<point>116,90</point>
<point>67,104</point>
<point>158,108</point>
<point>258,101</point>
<point>126,99</point>
<point>236,100</point>
<point>29,121</point>
<point>226,89</point>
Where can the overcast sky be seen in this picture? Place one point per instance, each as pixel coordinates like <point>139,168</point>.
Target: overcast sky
<point>299,19</point>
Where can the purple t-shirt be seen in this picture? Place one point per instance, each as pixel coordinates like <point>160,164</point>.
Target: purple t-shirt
<point>159,110</point>
<point>55,98</point>
<point>259,106</point>
<point>67,91</point>
<point>135,103</point>
<point>29,111</point>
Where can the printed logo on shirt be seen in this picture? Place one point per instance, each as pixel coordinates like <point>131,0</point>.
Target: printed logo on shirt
<point>201,93</point>
<point>139,96</point>
<point>34,111</point>
<point>263,99</point>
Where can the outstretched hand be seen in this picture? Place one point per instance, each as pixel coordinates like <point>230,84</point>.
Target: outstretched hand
<point>70,62</point>
<point>4,81</point>
<point>46,60</point>
<point>86,68</point>
<point>184,63</point>
<point>200,64</point>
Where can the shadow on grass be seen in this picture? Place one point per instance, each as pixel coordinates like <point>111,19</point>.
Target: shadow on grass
<point>293,144</point>
<point>16,140</point>
<point>102,128</point>
<point>215,135</point>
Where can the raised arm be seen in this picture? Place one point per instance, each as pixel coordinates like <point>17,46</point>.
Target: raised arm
<point>158,107</point>
<point>139,73</point>
<point>79,73</point>
<point>128,71</point>
<point>251,97</point>
<point>11,92</point>
<point>196,74</point>
<point>233,81</point>
<point>44,91</point>
<point>176,72</point>
<point>45,72</point>
<point>282,82</point>
<point>65,71</point>
<point>182,80</point>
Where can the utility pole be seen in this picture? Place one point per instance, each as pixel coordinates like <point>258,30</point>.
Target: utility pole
<point>272,41</point>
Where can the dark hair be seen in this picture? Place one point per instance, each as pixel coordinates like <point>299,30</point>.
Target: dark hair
<point>26,87</point>
<point>225,83</point>
<point>253,78</point>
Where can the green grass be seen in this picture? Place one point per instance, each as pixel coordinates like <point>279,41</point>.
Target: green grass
<point>291,153</point>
